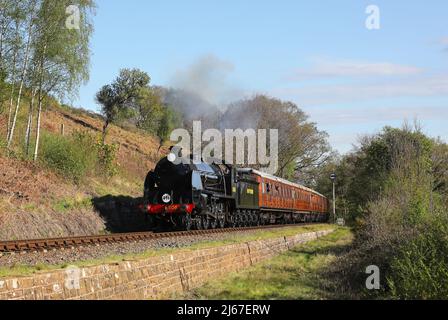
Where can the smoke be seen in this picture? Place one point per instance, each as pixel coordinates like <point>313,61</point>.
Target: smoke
<point>209,78</point>
<point>240,115</point>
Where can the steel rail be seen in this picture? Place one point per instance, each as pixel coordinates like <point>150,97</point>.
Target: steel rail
<point>70,242</point>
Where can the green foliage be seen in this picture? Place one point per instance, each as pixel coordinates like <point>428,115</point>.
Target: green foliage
<point>107,154</point>
<point>366,173</point>
<point>67,50</point>
<point>402,221</point>
<point>40,54</point>
<point>66,156</point>
<point>149,110</point>
<point>71,204</point>
<point>420,270</point>
<point>130,100</point>
<point>169,121</point>
<point>120,97</point>
<point>78,155</point>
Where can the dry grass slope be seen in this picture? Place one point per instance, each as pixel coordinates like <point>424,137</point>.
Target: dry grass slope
<point>36,202</point>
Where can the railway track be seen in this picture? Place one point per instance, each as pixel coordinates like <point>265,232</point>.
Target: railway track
<point>71,242</point>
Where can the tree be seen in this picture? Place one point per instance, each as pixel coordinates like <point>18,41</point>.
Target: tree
<point>29,12</point>
<point>301,145</point>
<point>61,55</point>
<point>366,172</point>
<point>12,19</point>
<point>167,123</point>
<point>121,95</point>
<point>149,110</point>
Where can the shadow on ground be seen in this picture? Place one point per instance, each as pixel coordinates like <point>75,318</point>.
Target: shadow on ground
<point>331,281</point>
<point>122,214</point>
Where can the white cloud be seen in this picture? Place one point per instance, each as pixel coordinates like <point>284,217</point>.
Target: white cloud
<point>346,125</point>
<point>323,68</point>
<point>436,85</point>
<point>363,115</point>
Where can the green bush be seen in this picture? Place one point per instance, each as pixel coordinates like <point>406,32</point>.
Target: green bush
<point>420,269</point>
<point>66,155</point>
<point>77,155</point>
<point>402,220</point>
<point>107,154</point>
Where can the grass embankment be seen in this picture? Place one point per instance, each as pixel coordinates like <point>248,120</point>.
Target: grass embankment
<point>59,194</point>
<point>296,274</point>
<point>21,270</point>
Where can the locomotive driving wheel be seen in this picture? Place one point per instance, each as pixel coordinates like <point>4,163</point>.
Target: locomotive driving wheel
<point>213,223</point>
<point>186,222</point>
<point>238,220</point>
<point>198,223</point>
<point>232,222</point>
<point>205,222</point>
<point>222,221</point>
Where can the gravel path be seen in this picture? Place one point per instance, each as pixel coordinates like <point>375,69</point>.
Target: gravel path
<point>67,256</point>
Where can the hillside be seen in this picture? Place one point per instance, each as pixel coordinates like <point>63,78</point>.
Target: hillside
<point>36,201</point>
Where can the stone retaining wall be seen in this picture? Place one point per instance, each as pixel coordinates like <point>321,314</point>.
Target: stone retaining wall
<point>158,277</point>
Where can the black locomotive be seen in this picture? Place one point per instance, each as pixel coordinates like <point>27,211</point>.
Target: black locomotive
<point>202,196</point>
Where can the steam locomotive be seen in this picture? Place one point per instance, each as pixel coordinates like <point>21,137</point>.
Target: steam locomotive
<point>198,195</point>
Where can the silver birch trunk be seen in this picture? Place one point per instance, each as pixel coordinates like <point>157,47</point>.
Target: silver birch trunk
<point>11,99</point>
<point>22,80</point>
<point>30,123</point>
<point>13,84</point>
<point>39,113</point>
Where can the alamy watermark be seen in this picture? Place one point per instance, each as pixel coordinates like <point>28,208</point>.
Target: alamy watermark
<point>72,22</point>
<point>72,278</point>
<point>373,280</point>
<point>373,21</point>
<point>234,141</point>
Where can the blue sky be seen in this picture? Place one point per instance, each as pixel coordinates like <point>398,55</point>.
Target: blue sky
<point>318,54</point>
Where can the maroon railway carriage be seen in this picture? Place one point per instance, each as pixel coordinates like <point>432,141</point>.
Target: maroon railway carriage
<point>296,203</point>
